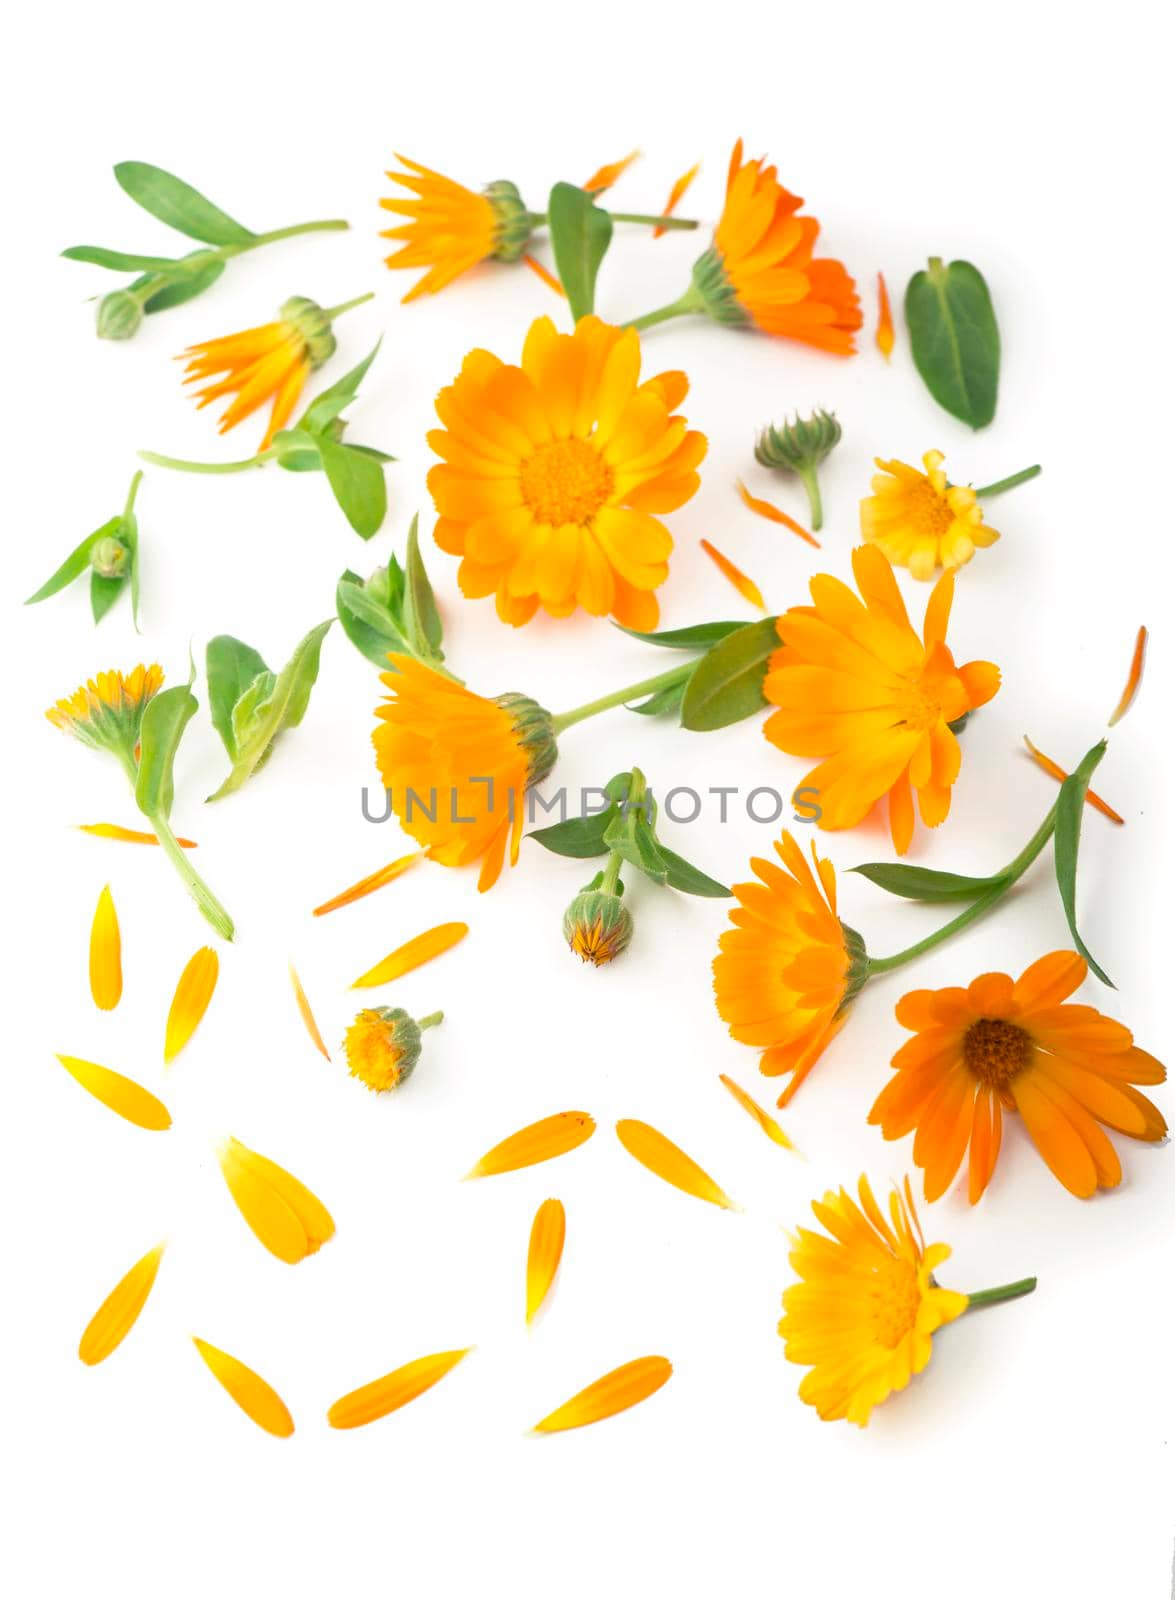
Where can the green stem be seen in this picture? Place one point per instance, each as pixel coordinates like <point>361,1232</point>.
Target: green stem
<point>349,305</point>
<point>177,465</point>
<point>334,225</point>
<point>1011,482</point>
<point>131,493</point>
<point>654,222</point>
<point>815,507</point>
<point>196,887</point>
<point>633,691</point>
<point>690,302</point>
<point>611,873</point>
<point>431,1020</point>
<point>1005,1291</point>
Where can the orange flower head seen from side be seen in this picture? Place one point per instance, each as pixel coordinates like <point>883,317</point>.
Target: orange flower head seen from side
<point>382,1047</point>
<point>920,521</point>
<point>1002,1045</point>
<point>451,228</point>
<point>863,1314</point>
<point>555,474</point>
<point>457,767</point>
<point>106,713</point>
<point>855,685</point>
<point>760,269</point>
<point>787,967</point>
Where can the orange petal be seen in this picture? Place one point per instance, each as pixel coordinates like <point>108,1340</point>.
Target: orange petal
<point>1047,764</point>
<point>544,1254</point>
<point>256,1399</point>
<point>615,1391</point>
<point>746,587</point>
<point>290,1222</point>
<point>885,336</point>
<point>753,1109</point>
<point>663,1158</point>
<point>370,884</point>
<point>306,1014</point>
<point>607,175</point>
<point>111,830</point>
<point>676,194</point>
<point>538,1141</point>
<point>192,995</point>
<point>119,1312</point>
<point>395,1389</point>
<point>1138,661</point>
<point>764,508</point>
<point>413,954</point>
<point>123,1095</point>
<point>105,954</point>
<point>545,274</point>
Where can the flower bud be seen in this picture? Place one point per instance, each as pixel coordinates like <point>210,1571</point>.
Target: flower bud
<point>110,557</point>
<point>313,327</point>
<point>512,221</point>
<point>803,442</point>
<point>383,1047</point>
<point>597,926</point>
<point>119,315</point>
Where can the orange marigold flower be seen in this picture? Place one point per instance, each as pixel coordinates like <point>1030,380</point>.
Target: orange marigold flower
<point>920,521</point>
<point>856,685</point>
<point>456,767</point>
<point>787,968</point>
<point>450,228</point>
<point>556,471</point>
<point>999,1046</point>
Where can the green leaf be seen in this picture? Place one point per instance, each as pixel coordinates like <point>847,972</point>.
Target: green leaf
<point>700,637</point>
<point>297,450</point>
<point>920,883</point>
<point>688,879</point>
<point>667,699</point>
<point>324,408</point>
<point>357,483</point>
<point>118,260</point>
<point>727,683</point>
<point>630,834</point>
<point>1067,843</point>
<point>164,721</point>
<point>75,563</point>
<point>230,667</point>
<point>580,235</point>
<point>103,593</point>
<point>583,837</point>
<point>368,622</point>
<point>421,620</point>
<point>181,290</point>
<point>179,205</point>
<point>954,339</point>
<point>270,705</point>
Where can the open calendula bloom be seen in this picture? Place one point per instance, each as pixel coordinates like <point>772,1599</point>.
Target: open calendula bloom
<point>920,521</point>
<point>450,228</point>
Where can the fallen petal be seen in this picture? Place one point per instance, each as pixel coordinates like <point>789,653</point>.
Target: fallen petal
<point>885,334</point>
<point>370,884</point>
<point>256,1399</point>
<point>607,175</point>
<point>546,1251</point>
<point>395,1389</point>
<point>547,276</point>
<point>764,508</point>
<point>190,1001</point>
<point>749,590</point>
<point>1134,679</point>
<point>413,954</point>
<point>663,1158</point>
<point>123,1095</point>
<point>676,194</point>
<point>1055,770</point>
<point>119,1312</point>
<point>538,1141</point>
<point>105,954</point>
<point>290,1221</point>
<point>306,1013</point>
<point>615,1391</point>
<point>111,830</point>
<point>753,1109</point>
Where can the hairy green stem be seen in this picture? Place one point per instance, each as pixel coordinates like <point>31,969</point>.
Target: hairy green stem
<point>1013,481</point>
<point>633,691</point>
<point>195,885</point>
<point>1005,1291</point>
<point>177,465</point>
<point>686,305</point>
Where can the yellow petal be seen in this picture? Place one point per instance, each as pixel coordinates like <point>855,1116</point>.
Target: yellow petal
<point>111,830</point>
<point>749,590</point>
<point>538,1141</point>
<point>251,1392</point>
<point>119,1312</point>
<point>124,1095</point>
<point>753,1109</point>
<point>306,1013</point>
<point>190,1002</point>
<point>885,334</point>
<point>546,1250</point>
<point>662,1157</point>
<point>547,277</point>
<point>395,1389</point>
<point>105,954</point>
<point>413,954</point>
<point>370,884</point>
<point>289,1221</point>
<point>615,1391</point>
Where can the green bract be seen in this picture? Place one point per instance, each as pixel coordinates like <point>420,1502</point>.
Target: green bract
<point>251,706</point>
<point>111,556</point>
<point>954,339</point>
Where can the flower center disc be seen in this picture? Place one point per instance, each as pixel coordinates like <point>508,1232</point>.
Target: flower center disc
<point>921,708</point>
<point>930,514</point>
<point>995,1051</point>
<point>565,481</point>
<point>896,1298</point>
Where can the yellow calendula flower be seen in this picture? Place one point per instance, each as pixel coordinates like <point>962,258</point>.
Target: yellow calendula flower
<point>383,1046</point>
<point>920,521</point>
<point>450,228</point>
<point>107,711</point>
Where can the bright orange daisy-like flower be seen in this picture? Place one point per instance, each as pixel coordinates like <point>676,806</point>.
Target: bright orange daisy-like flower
<point>451,228</point>
<point>555,473</point>
<point>856,685</point>
<point>999,1046</point>
<point>788,967</point>
<point>457,767</point>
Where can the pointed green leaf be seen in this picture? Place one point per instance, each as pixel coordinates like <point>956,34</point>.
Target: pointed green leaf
<point>118,260</point>
<point>578,837</point>
<point>164,721</point>
<point>75,563</point>
<point>667,699</point>
<point>727,683</point>
<point>1067,844</point>
<point>580,235</point>
<point>357,483</point>
<point>954,339</point>
<point>689,879</point>
<point>230,666</point>
<point>421,619</point>
<point>269,706</point>
<point>324,408</point>
<point>179,205</point>
<point>921,883</point>
<point>369,623</point>
<point>700,637</point>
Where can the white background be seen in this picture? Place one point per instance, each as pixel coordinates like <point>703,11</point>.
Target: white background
<point>1034,1454</point>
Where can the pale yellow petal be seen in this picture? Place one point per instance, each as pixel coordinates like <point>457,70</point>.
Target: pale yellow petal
<point>546,1251</point>
<point>190,1001</point>
<point>615,1391</point>
<point>413,954</point>
<point>105,954</point>
<point>395,1389</point>
<point>123,1095</point>
<point>306,1014</point>
<point>753,1109</point>
<point>538,1141</point>
<point>119,1312</point>
<point>671,1164</point>
<point>370,884</point>
<point>257,1400</point>
<point>290,1221</point>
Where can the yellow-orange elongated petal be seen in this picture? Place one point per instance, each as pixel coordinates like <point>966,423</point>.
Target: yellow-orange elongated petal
<point>257,1400</point>
<point>676,194</point>
<point>119,1312</point>
<point>669,1163</point>
<point>105,954</point>
<point>547,1234</point>
<point>123,1095</point>
<point>190,1001</point>
<point>371,883</point>
<point>749,590</point>
<point>615,1391</point>
<point>772,513</point>
<point>306,1014</point>
<point>753,1109</point>
<point>545,274</point>
<point>387,1394</point>
<point>1055,770</point>
<point>538,1141</point>
<point>290,1222</point>
<point>885,334</point>
<point>1138,661</point>
<point>604,177</point>
<point>413,954</point>
<point>112,830</point>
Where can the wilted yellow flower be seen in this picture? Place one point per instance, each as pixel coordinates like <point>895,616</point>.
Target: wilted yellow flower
<point>383,1046</point>
<point>920,521</point>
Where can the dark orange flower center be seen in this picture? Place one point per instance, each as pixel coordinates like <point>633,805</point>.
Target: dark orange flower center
<point>896,1297</point>
<point>994,1051</point>
<point>566,481</point>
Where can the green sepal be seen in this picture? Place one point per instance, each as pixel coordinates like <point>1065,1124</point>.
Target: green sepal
<point>727,683</point>
<point>954,339</point>
<point>1067,843</point>
<point>267,706</point>
<point>580,235</point>
<point>178,205</point>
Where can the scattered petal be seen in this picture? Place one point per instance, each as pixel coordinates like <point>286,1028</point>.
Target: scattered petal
<point>607,175</point>
<point>885,335</point>
<point>1055,770</point>
<point>370,884</point>
<point>539,1141</point>
<point>749,590</point>
<point>192,995</point>
<point>545,274</point>
<point>546,1251</point>
<point>105,954</point>
<point>764,508</point>
<point>257,1400</point>
<point>616,1391</point>
<point>1138,661</point>
<point>306,1013</point>
<point>413,954</point>
<point>111,830</point>
<point>395,1389</point>
<point>676,194</point>
<point>290,1222</point>
<point>123,1095</point>
<point>663,1158</point>
<point>119,1312</point>
<point>753,1109</point>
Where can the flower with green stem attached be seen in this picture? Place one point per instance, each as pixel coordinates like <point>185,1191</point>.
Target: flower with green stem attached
<point>800,446</point>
